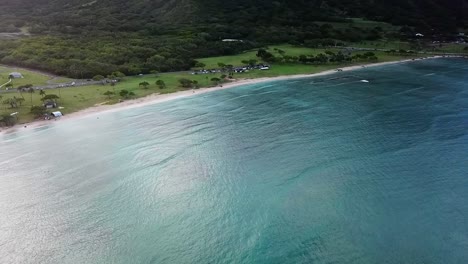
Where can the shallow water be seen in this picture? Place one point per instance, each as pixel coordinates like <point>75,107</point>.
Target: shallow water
<point>317,170</point>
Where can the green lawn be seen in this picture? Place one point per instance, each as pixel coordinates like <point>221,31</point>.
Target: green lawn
<point>236,60</point>
<point>451,48</point>
<point>382,44</point>
<point>290,50</point>
<point>30,77</point>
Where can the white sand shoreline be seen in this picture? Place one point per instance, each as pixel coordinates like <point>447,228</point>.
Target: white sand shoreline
<point>158,98</point>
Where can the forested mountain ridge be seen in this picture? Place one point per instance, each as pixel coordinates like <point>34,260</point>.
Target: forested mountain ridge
<point>111,14</point>
<point>77,16</point>
<point>81,38</point>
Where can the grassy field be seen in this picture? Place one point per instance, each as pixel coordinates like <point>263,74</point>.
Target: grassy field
<point>30,77</point>
<point>71,99</point>
<point>451,48</point>
<point>382,44</point>
<point>76,98</point>
<point>236,60</point>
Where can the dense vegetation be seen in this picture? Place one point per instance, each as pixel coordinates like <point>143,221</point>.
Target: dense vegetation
<point>84,38</point>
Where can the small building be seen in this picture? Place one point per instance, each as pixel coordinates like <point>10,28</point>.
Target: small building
<point>232,40</point>
<point>56,114</point>
<point>15,75</point>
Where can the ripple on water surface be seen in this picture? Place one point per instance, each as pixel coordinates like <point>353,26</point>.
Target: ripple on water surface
<point>322,170</point>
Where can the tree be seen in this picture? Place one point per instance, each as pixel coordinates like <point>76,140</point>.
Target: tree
<point>31,91</point>
<point>50,97</point>
<point>186,83</point>
<point>42,93</point>
<point>38,111</point>
<point>321,58</point>
<point>145,84</point>
<point>109,94</point>
<point>20,91</point>
<point>252,62</point>
<point>7,120</point>
<point>98,78</point>
<point>221,65</point>
<point>20,101</point>
<point>9,85</point>
<point>261,53</point>
<point>161,84</point>
<point>119,75</point>
<point>157,61</point>
<point>303,59</point>
<point>195,84</point>
<point>6,102</point>
<point>199,64</point>
<point>216,80</point>
<point>12,102</point>
<point>265,55</point>
<point>126,94</point>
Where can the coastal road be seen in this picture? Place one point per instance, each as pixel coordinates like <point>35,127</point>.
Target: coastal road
<point>77,83</point>
<point>5,84</point>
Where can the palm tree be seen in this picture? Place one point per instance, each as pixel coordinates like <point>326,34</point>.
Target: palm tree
<point>20,90</point>
<point>20,101</point>
<point>12,102</point>
<point>31,91</point>
<point>60,94</point>
<point>42,93</point>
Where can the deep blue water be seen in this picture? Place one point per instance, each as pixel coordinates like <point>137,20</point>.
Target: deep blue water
<point>317,170</point>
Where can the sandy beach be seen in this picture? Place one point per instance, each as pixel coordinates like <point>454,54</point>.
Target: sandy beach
<point>158,98</point>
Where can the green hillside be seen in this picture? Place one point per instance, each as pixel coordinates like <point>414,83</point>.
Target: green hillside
<point>82,38</point>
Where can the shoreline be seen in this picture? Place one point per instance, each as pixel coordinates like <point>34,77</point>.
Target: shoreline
<point>159,98</point>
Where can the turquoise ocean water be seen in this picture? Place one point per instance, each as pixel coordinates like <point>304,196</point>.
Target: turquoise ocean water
<point>315,170</point>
